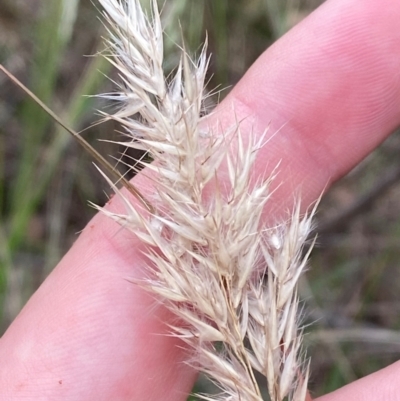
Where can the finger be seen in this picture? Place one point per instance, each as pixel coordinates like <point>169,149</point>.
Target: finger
<point>379,386</point>
<point>90,334</point>
<point>329,91</point>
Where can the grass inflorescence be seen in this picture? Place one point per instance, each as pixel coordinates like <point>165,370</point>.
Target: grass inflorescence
<point>228,278</point>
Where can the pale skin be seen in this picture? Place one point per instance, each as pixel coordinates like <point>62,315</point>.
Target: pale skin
<point>332,88</point>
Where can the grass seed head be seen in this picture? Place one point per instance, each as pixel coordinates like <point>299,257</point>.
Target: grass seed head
<point>227,277</point>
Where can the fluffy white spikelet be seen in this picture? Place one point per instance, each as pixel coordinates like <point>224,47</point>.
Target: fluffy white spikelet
<point>229,279</point>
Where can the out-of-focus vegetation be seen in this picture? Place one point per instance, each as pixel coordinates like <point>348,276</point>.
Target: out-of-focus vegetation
<point>353,289</point>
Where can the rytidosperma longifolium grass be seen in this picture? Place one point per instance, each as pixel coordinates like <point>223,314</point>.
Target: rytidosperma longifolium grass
<point>230,280</point>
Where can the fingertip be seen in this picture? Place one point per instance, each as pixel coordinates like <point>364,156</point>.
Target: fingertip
<point>379,386</point>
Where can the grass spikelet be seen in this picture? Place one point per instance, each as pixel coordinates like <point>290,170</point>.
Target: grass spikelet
<point>229,279</point>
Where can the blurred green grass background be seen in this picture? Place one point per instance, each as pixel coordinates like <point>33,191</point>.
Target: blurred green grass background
<point>352,292</point>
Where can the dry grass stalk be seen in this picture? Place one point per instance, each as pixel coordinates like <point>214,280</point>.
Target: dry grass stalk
<point>231,281</point>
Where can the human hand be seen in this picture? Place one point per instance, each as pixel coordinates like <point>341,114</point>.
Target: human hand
<point>331,87</point>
